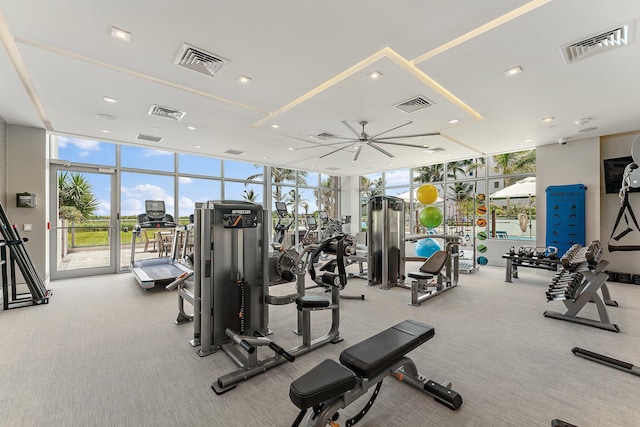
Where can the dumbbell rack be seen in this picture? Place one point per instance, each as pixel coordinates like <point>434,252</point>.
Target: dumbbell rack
<point>530,257</point>
<point>578,283</point>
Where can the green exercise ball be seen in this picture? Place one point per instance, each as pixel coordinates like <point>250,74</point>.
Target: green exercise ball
<point>427,194</point>
<point>430,217</point>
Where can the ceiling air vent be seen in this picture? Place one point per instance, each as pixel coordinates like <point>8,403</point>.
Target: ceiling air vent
<point>605,41</point>
<point>150,138</point>
<point>333,168</point>
<point>234,152</point>
<point>415,104</point>
<point>198,60</point>
<point>324,136</point>
<point>166,112</point>
<point>435,149</point>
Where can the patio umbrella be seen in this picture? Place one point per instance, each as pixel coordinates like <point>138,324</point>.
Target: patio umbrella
<point>524,188</point>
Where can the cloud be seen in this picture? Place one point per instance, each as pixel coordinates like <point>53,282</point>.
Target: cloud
<point>133,198</point>
<point>187,206</point>
<point>149,152</point>
<point>104,208</point>
<point>397,177</point>
<point>83,154</point>
<point>82,144</point>
<point>185,180</point>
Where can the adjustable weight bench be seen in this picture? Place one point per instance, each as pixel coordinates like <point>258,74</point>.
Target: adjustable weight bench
<point>332,386</point>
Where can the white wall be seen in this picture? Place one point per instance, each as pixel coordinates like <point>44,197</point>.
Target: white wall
<point>28,171</point>
<point>624,262</point>
<point>3,162</point>
<point>577,162</point>
<point>349,202</point>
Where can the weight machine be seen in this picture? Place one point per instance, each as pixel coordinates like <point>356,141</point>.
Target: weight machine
<point>231,283</point>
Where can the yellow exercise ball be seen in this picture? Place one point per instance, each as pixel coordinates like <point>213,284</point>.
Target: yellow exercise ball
<point>427,194</point>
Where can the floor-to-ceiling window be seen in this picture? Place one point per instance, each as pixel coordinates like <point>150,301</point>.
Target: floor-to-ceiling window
<point>180,180</point>
<point>506,181</point>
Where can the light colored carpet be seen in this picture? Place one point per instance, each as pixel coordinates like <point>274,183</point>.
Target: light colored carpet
<point>104,352</point>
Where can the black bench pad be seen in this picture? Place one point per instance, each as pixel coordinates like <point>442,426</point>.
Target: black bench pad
<point>374,355</point>
<point>327,380</point>
<point>420,275</point>
<point>311,301</point>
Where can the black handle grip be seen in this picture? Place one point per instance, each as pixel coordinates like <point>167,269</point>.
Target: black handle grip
<point>247,347</point>
<point>281,351</point>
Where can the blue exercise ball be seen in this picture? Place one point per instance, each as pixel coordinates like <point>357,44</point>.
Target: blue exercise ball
<point>427,247</point>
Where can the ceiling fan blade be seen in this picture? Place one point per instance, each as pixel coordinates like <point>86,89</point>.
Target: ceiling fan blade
<point>335,151</point>
<point>350,141</point>
<point>412,135</point>
<point>399,144</point>
<point>389,130</point>
<point>352,129</point>
<point>357,152</point>
<point>371,144</point>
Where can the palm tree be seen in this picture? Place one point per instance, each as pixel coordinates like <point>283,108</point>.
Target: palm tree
<point>517,162</point>
<point>280,175</point>
<point>250,195</point>
<point>431,173</point>
<point>75,190</point>
<point>327,195</point>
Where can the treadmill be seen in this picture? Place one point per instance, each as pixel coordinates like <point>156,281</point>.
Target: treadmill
<point>156,271</point>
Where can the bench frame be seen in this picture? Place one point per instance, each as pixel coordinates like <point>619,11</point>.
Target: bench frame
<point>404,369</point>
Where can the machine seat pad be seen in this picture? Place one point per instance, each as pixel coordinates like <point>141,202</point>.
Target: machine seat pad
<point>311,301</point>
<point>420,275</point>
<point>378,353</point>
<point>327,380</point>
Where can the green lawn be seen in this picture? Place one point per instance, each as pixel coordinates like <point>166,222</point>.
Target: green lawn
<point>98,238</point>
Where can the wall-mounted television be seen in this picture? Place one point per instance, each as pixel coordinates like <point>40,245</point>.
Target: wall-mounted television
<point>613,173</point>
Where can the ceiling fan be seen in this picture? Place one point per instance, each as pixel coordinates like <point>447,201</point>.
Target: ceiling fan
<point>373,141</point>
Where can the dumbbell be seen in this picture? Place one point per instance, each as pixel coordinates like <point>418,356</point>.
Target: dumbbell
<point>512,250</point>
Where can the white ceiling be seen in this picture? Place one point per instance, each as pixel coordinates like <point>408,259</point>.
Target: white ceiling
<point>309,63</point>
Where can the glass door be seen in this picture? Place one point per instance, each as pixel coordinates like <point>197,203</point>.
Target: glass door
<point>83,221</point>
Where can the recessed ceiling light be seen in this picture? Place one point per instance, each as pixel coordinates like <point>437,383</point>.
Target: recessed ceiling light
<point>244,79</point>
<point>198,146</point>
<point>454,121</point>
<point>105,131</point>
<point>120,34</point>
<point>191,127</point>
<point>513,71</point>
<point>154,128</point>
<point>584,121</point>
<point>528,140</point>
<point>275,126</point>
<point>375,75</point>
<point>110,100</point>
<point>548,119</point>
<point>448,154</point>
<point>265,158</point>
<point>290,148</point>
